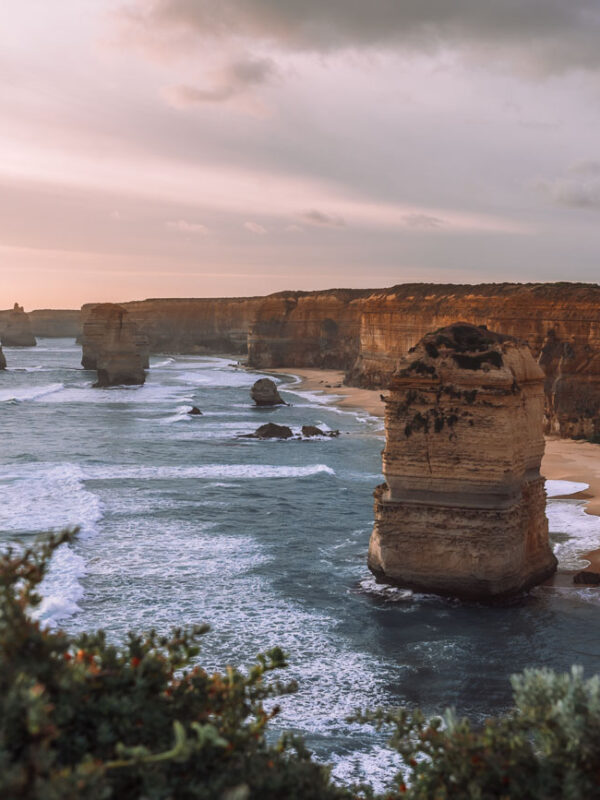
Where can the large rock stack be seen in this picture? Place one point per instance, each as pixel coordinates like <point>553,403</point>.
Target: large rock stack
<point>17,329</point>
<point>462,511</point>
<point>112,345</point>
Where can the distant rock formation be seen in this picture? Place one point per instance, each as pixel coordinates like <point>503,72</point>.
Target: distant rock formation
<point>113,347</point>
<point>264,393</point>
<point>195,412</point>
<point>17,329</point>
<point>271,431</point>
<point>55,323</point>
<point>308,431</point>
<point>2,359</point>
<point>462,511</point>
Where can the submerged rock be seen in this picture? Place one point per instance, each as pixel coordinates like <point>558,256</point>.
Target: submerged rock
<point>17,329</point>
<point>271,431</point>
<point>587,578</point>
<point>462,511</point>
<point>264,393</point>
<point>112,344</point>
<point>2,360</point>
<point>312,430</point>
<point>195,412</point>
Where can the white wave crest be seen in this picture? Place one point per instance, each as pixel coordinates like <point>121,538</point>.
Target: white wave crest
<point>210,471</point>
<point>21,394</point>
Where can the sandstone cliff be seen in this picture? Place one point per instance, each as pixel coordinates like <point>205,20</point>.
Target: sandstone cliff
<point>201,326</point>
<point>55,323</point>
<point>462,511</point>
<point>307,329</point>
<point>112,345</point>
<point>16,328</point>
<point>560,322</point>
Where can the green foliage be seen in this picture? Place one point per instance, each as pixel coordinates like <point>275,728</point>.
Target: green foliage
<point>546,748</point>
<point>81,718</point>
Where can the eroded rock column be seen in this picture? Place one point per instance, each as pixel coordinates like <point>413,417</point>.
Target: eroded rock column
<point>113,346</point>
<point>462,511</point>
<point>17,330</point>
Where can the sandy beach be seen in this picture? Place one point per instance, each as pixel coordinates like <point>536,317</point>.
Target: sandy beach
<point>329,381</point>
<point>564,459</point>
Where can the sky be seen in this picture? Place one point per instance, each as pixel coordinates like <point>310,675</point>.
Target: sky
<point>195,148</point>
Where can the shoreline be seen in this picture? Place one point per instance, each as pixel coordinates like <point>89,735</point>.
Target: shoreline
<point>564,459</point>
<point>329,382</point>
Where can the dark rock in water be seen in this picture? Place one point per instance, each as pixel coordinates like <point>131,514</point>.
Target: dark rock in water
<point>2,360</point>
<point>17,330</point>
<point>195,412</point>
<point>312,430</point>
<point>272,431</point>
<point>264,393</point>
<point>587,578</point>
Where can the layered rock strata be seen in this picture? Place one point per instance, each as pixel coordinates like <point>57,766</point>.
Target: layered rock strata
<point>559,321</point>
<point>307,329</point>
<point>113,346</point>
<point>16,329</point>
<point>462,511</point>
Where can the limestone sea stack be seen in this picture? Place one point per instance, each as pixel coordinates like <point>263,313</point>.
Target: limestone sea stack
<point>264,393</point>
<point>2,359</point>
<point>462,511</point>
<point>17,329</point>
<point>112,345</point>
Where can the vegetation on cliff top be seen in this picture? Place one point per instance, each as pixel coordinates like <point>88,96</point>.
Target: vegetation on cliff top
<point>83,719</point>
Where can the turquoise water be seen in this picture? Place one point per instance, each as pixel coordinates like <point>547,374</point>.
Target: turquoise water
<point>184,522</point>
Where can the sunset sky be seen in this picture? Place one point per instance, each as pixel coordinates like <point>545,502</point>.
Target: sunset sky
<point>172,148</point>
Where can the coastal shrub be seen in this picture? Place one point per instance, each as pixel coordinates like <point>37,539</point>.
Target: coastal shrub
<point>546,748</point>
<point>84,719</point>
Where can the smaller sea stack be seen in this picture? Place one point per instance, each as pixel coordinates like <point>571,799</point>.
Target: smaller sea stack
<point>462,511</point>
<point>2,359</point>
<point>17,330</point>
<point>113,345</point>
<point>264,393</point>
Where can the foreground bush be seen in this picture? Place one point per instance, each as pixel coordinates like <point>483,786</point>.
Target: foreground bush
<point>84,720</point>
<point>80,718</point>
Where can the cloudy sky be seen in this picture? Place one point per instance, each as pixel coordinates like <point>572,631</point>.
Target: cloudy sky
<point>169,148</point>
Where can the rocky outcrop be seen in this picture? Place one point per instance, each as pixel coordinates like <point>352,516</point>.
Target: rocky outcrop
<point>462,511</point>
<point>16,329</point>
<point>270,430</point>
<point>264,393</point>
<point>195,412</point>
<point>112,345</point>
<point>2,360</point>
<point>99,327</point>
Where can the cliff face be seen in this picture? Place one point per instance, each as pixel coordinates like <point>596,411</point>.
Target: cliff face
<point>462,509</point>
<point>16,329</point>
<point>559,322</point>
<point>113,345</point>
<point>307,329</point>
<point>200,326</point>
<point>55,323</point>
<point>2,359</point>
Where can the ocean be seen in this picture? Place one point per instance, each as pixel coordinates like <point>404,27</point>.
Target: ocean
<point>184,522</point>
